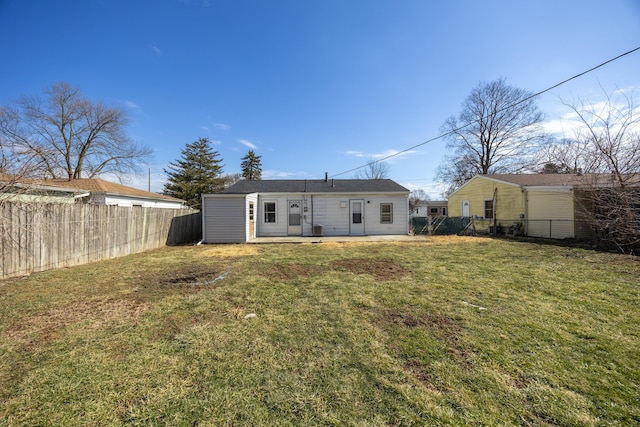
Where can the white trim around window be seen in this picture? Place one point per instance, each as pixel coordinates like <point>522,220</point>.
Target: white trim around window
<point>386,213</point>
<point>270,212</point>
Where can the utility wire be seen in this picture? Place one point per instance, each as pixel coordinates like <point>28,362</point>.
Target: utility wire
<point>534,95</point>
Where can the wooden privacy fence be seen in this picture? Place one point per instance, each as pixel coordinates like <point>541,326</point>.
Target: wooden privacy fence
<point>38,237</point>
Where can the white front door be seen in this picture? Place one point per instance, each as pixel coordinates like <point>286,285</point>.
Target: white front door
<point>356,217</point>
<point>295,218</point>
<point>465,208</point>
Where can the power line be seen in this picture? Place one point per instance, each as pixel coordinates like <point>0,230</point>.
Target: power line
<point>534,95</point>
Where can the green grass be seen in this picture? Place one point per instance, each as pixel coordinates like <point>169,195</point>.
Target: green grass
<point>450,332</point>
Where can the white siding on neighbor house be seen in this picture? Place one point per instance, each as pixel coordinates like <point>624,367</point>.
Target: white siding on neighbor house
<point>125,201</point>
<point>37,198</point>
<point>550,214</point>
<point>225,219</point>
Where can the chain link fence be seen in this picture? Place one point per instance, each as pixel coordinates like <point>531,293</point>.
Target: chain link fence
<point>545,228</point>
<point>439,226</point>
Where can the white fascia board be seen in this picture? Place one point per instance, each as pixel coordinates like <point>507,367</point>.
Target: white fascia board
<point>136,197</point>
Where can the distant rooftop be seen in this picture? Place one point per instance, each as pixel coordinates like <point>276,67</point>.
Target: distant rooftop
<point>561,179</point>
<point>96,185</point>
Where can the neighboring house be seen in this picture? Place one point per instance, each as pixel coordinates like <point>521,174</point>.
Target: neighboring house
<point>426,208</point>
<point>100,192</point>
<point>86,190</point>
<point>279,208</point>
<point>29,192</point>
<point>541,205</point>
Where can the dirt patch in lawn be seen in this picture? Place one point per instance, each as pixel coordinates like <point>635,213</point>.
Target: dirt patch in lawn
<point>382,269</point>
<point>186,277</point>
<point>291,271</point>
<point>444,325</point>
<point>444,328</point>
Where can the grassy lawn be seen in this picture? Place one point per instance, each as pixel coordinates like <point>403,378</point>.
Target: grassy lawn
<point>455,331</point>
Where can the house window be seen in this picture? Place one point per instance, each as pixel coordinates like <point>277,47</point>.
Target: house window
<point>386,213</point>
<point>488,209</point>
<point>269,212</point>
<point>444,211</point>
<point>433,211</point>
<point>250,211</point>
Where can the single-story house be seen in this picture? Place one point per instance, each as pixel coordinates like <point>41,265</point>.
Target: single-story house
<point>101,192</point>
<point>329,207</point>
<point>538,205</point>
<point>86,190</point>
<point>28,191</point>
<point>434,208</point>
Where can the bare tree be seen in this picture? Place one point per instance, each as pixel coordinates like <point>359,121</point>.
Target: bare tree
<point>14,169</point>
<point>13,188</point>
<point>231,178</point>
<point>374,169</point>
<point>70,136</point>
<point>606,153</point>
<point>496,131</point>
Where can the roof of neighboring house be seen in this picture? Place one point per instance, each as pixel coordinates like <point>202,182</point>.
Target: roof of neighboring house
<point>27,185</point>
<point>316,186</point>
<point>96,185</point>
<point>562,179</point>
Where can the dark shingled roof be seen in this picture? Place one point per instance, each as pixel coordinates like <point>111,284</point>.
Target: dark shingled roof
<point>315,186</point>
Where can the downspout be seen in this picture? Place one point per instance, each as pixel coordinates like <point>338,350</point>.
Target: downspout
<point>312,214</point>
<point>495,216</point>
<point>525,195</point>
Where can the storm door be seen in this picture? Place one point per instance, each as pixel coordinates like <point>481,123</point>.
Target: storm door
<point>295,218</point>
<point>356,217</point>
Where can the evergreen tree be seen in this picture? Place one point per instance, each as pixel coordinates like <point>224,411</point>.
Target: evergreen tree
<point>198,172</point>
<point>251,166</point>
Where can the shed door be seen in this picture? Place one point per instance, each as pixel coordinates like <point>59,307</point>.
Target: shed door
<point>356,217</point>
<point>295,218</point>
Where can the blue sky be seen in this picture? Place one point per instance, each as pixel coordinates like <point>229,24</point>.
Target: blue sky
<point>311,86</point>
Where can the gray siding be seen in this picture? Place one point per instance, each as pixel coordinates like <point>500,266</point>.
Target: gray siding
<point>224,219</point>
